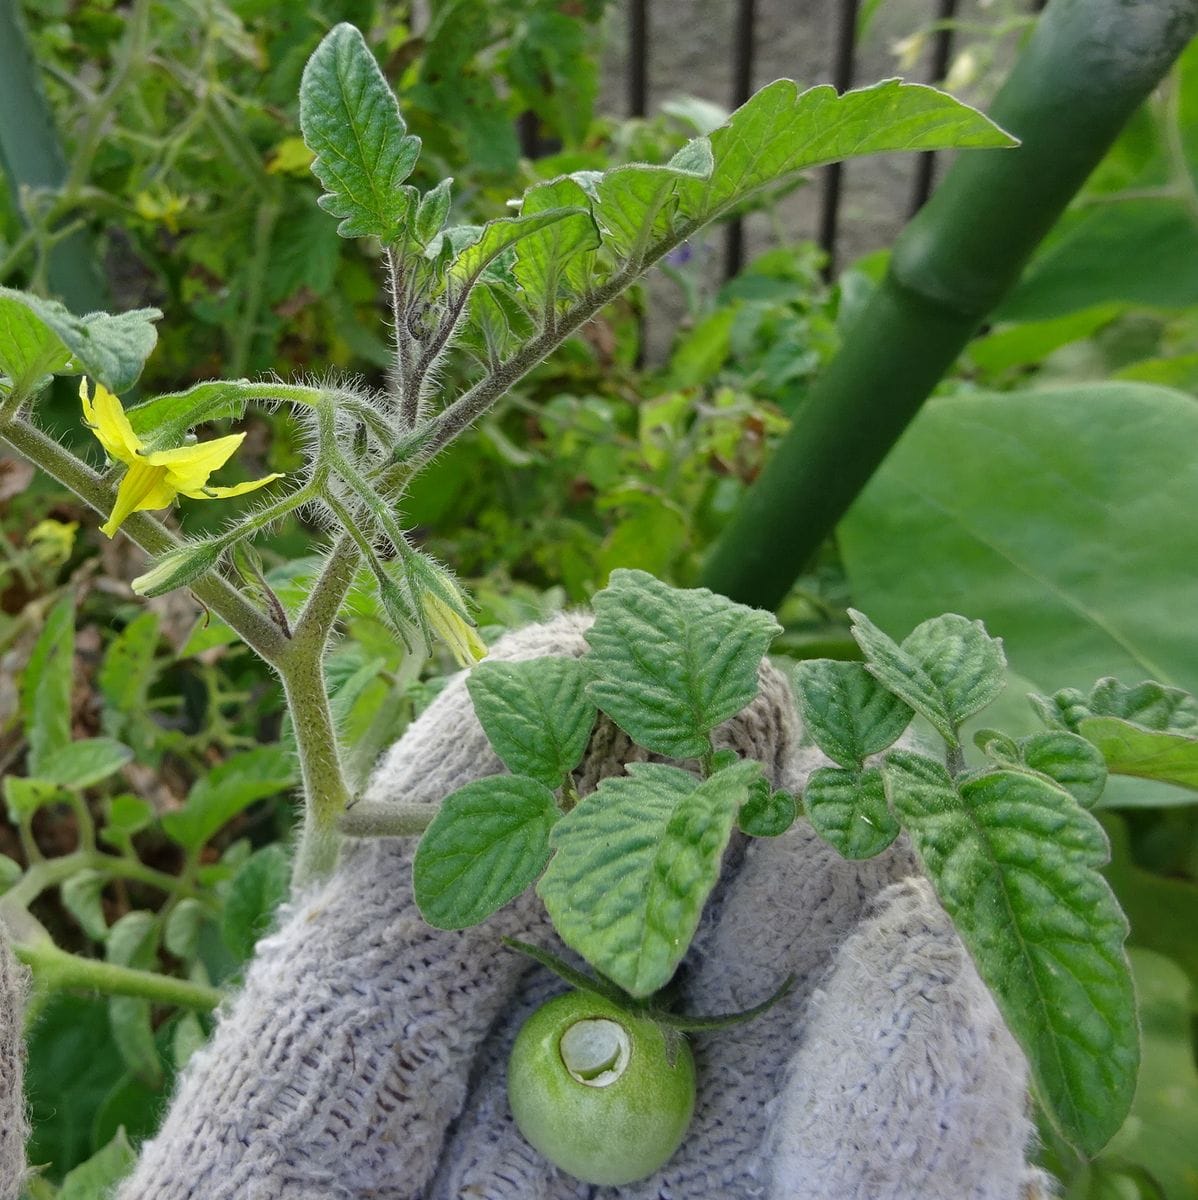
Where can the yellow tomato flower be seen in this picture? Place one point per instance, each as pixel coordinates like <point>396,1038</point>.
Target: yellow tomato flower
<point>156,477</point>
<point>463,640</point>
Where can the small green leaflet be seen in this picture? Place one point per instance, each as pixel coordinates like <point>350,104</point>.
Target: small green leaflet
<point>81,898</point>
<point>350,120</point>
<point>781,131</point>
<point>947,669</point>
<point>498,236</point>
<point>1130,750</point>
<point>552,258</point>
<point>1064,757</point>
<point>86,762</point>
<point>672,664</point>
<point>46,686</point>
<point>228,789</point>
<point>848,808</point>
<point>1015,862</point>
<point>767,813</point>
<point>848,714</point>
<point>536,714</point>
<point>259,887</point>
<point>634,864</point>
<point>100,1173</point>
<point>487,843</point>
<point>40,338</point>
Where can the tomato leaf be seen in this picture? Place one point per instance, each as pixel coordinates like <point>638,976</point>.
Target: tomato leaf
<point>634,864</point>
<point>672,664</point>
<point>536,714</point>
<point>351,122</point>
<point>848,809</point>
<point>1014,860</point>
<point>847,712</point>
<point>947,668</point>
<point>487,843</point>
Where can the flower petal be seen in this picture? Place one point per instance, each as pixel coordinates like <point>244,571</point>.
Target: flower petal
<point>143,487</point>
<point>213,492</point>
<point>105,417</point>
<point>190,466</point>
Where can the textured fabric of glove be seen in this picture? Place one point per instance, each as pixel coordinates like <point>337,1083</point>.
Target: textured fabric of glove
<point>364,1055</point>
<point>13,1125</point>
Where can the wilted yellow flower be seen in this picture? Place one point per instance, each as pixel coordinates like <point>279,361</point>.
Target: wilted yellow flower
<point>156,477</point>
<point>164,208</point>
<point>463,640</point>
<point>52,541</point>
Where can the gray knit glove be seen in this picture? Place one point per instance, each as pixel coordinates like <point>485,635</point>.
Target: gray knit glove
<point>364,1056</point>
<point>14,980</point>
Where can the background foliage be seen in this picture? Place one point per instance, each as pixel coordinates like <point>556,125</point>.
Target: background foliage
<point>1043,491</point>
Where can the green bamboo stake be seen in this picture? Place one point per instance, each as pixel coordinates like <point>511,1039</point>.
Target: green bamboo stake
<point>31,156</point>
<point>1087,67</point>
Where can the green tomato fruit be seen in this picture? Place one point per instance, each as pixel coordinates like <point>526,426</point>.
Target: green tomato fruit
<point>592,1088</point>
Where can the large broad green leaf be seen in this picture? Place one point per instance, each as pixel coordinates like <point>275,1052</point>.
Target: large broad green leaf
<point>1162,1128</point>
<point>487,843</point>
<point>634,863</point>
<point>1014,860</point>
<point>40,337</point>
<point>46,687</point>
<point>351,122</point>
<point>671,664</point>
<point>1127,251</point>
<point>536,714</point>
<point>846,711</point>
<point>947,668</point>
<point>224,791</point>
<point>1061,518</point>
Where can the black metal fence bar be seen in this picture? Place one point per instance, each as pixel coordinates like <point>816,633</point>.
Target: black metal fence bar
<point>842,79</point>
<point>638,57</point>
<point>742,88</point>
<point>942,49</point>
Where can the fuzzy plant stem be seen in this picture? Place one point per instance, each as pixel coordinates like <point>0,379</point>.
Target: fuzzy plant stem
<point>1088,66</point>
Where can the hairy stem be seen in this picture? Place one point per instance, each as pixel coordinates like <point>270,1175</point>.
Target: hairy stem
<point>55,968</point>
<point>369,818</point>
